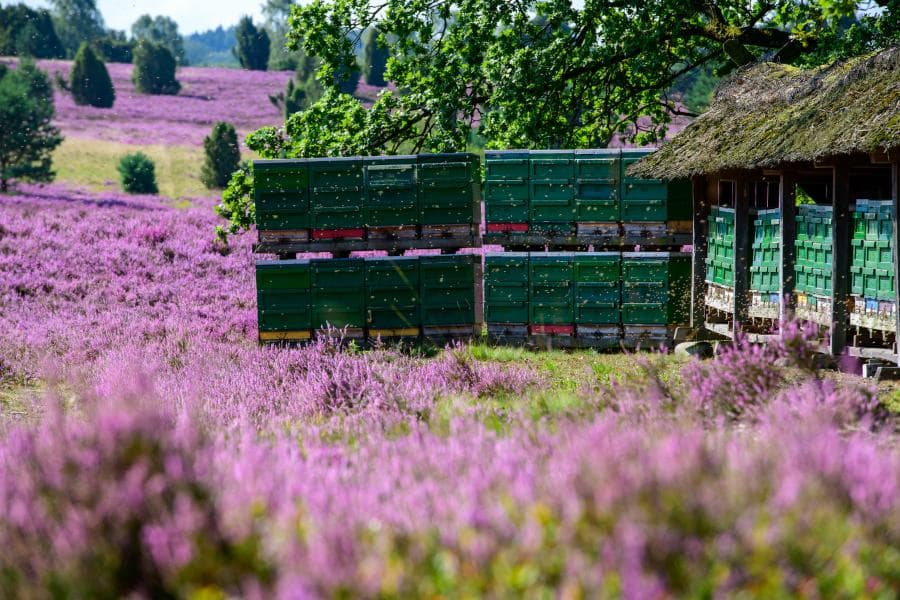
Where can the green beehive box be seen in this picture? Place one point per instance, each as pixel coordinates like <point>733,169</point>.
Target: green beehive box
<point>805,279</point>
<point>655,288</point>
<point>507,165</point>
<point>766,253</point>
<point>338,292</point>
<point>506,201</point>
<point>506,287</point>
<point>857,280</point>
<point>337,190</point>
<point>767,226</point>
<point>878,254</point>
<point>392,292</point>
<point>597,175</point>
<point>858,252</point>
<point>598,293</point>
<point>822,253</point>
<point>449,188</point>
<point>551,293</point>
<point>711,270</point>
<point>282,293</point>
<point>721,225</point>
<point>391,196</point>
<point>652,200</point>
<point>281,194</point>
<point>822,279</point>
<point>858,225</point>
<point>552,201</point>
<point>764,278</point>
<point>447,289</point>
<point>878,226</point>
<point>552,165</point>
<point>884,283</point>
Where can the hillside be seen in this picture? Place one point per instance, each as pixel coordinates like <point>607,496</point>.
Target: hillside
<point>208,94</point>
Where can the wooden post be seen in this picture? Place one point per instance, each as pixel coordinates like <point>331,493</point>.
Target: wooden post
<point>895,195</point>
<point>741,250</point>
<point>699,237</point>
<point>840,259</point>
<point>787,182</point>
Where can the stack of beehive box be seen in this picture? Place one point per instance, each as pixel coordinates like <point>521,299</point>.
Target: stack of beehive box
<point>765,256</point>
<point>345,205</point>
<point>813,266</point>
<point>563,200</point>
<point>872,266</point>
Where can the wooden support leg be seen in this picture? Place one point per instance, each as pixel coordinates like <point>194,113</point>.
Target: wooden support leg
<point>895,195</point>
<point>700,233</point>
<point>741,250</point>
<point>786,202</point>
<point>840,259</point>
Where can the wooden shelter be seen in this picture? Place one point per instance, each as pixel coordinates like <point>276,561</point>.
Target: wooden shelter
<point>832,134</point>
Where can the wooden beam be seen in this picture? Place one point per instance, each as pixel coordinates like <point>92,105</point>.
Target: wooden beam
<point>787,204</point>
<point>840,258</point>
<point>895,196</point>
<point>700,234</point>
<point>879,157</point>
<point>849,160</point>
<point>741,250</point>
<point>732,174</point>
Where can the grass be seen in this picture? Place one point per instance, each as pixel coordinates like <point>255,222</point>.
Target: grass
<point>566,371</point>
<point>17,400</point>
<point>92,164</point>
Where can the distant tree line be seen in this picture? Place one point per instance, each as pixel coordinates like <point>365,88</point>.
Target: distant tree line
<point>28,32</point>
<point>60,32</point>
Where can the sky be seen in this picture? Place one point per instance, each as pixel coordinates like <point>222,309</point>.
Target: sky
<point>191,15</point>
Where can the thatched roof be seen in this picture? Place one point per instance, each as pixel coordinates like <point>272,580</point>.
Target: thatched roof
<point>770,114</point>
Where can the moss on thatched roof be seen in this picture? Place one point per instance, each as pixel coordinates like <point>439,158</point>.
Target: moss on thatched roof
<point>769,114</point>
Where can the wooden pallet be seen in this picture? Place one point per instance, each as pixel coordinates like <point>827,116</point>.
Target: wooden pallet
<point>399,239</point>
<point>536,241</point>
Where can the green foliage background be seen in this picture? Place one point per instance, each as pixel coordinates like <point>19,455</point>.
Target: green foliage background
<point>543,73</point>
<point>154,69</point>
<point>252,48</point>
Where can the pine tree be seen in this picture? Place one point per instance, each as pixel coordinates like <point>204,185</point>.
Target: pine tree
<point>375,57</point>
<point>27,134</point>
<point>154,69</point>
<point>252,48</point>
<point>89,80</point>
<point>223,155</point>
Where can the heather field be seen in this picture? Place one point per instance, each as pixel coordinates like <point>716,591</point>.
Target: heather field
<point>149,447</point>
<point>207,95</point>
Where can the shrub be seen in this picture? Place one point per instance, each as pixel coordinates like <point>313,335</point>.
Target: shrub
<point>89,80</point>
<point>154,69</point>
<point>138,174</point>
<point>223,155</point>
<point>252,48</point>
<point>160,30</point>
